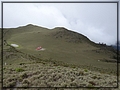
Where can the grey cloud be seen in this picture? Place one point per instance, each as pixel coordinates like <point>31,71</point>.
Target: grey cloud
<point>97,21</point>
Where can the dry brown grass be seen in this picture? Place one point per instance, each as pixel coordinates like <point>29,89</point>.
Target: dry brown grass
<point>48,75</point>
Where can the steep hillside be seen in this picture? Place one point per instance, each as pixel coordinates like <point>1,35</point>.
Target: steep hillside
<point>61,44</point>
<point>69,36</point>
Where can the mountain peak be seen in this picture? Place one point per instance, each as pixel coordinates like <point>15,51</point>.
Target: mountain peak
<point>30,25</point>
<point>60,28</point>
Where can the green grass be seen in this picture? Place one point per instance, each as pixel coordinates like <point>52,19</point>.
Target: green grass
<point>19,69</point>
<point>81,53</point>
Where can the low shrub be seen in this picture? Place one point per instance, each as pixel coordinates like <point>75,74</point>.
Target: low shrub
<point>21,63</point>
<point>90,85</point>
<point>94,77</point>
<point>11,84</point>
<point>26,81</point>
<point>19,69</point>
<point>86,70</point>
<point>23,75</point>
<point>92,82</point>
<point>81,73</point>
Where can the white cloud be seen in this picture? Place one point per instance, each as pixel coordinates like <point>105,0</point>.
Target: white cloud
<point>96,21</point>
<point>52,17</point>
<point>47,16</point>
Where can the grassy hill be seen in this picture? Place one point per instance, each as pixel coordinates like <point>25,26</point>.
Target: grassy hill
<point>60,44</point>
<point>62,47</point>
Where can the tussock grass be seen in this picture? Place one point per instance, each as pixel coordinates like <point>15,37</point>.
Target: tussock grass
<point>43,75</point>
<point>19,69</point>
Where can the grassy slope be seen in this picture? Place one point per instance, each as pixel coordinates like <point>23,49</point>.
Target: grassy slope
<point>26,72</point>
<point>60,45</point>
<point>56,48</point>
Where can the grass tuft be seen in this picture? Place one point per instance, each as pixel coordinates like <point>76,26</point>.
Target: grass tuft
<point>19,70</point>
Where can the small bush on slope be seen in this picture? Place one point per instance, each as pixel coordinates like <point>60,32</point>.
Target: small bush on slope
<point>19,69</point>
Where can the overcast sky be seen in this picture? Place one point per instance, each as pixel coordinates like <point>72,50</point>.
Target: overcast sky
<point>97,21</point>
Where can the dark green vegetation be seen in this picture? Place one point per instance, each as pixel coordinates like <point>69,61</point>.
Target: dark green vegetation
<point>64,49</point>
